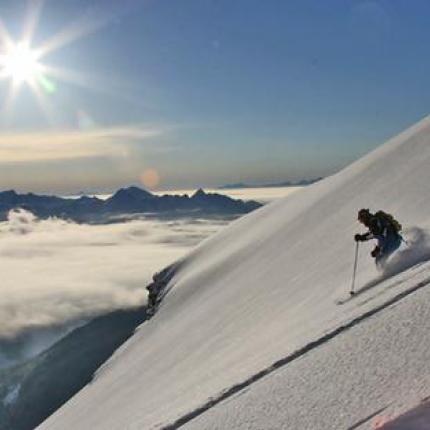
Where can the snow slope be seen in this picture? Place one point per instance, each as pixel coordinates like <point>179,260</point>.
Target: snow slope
<point>261,295</point>
<point>374,370</point>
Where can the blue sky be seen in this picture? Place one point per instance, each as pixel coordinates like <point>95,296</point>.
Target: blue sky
<point>206,92</point>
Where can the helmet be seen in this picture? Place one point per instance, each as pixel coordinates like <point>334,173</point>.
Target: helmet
<point>364,214</point>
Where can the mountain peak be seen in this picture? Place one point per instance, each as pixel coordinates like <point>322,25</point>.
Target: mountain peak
<point>134,192</point>
<point>9,196</point>
<point>199,193</point>
<point>8,193</point>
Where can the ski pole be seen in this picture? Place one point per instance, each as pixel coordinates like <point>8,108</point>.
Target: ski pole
<point>352,292</point>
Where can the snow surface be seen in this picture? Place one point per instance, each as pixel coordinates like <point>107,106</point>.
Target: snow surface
<point>362,378</point>
<point>250,335</point>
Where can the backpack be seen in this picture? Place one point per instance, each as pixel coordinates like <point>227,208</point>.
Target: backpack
<point>389,220</point>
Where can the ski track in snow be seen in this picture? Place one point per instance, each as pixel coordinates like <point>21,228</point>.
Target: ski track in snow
<point>236,389</point>
<point>336,406</point>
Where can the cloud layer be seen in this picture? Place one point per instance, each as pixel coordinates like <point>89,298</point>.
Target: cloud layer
<point>54,272</point>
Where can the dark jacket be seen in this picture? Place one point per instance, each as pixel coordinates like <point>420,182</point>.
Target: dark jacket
<point>378,227</point>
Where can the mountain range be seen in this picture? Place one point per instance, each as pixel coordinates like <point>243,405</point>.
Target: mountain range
<point>300,183</point>
<point>131,200</point>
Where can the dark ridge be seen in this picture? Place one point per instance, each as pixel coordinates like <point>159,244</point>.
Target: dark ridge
<point>300,183</point>
<point>126,201</point>
<point>49,380</point>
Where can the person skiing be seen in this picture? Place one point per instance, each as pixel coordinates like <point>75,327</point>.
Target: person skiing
<point>382,227</point>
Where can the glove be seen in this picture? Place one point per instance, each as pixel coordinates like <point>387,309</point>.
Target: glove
<point>358,238</point>
<point>375,252</point>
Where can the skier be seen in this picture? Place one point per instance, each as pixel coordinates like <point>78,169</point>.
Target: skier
<point>382,227</point>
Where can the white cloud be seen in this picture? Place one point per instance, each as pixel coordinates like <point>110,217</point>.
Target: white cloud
<point>54,272</point>
<point>70,144</point>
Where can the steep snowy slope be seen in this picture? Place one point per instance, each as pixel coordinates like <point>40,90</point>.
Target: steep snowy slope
<point>375,369</point>
<point>262,289</point>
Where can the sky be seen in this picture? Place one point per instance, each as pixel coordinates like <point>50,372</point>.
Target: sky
<point>198,93</point>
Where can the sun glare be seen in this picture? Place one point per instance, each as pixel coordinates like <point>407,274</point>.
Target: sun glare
<point>23,64</point>
<point>20,63</point>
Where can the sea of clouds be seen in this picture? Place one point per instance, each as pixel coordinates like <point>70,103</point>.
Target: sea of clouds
<point>57,274</point>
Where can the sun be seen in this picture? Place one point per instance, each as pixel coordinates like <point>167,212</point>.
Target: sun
<point>20,63</point>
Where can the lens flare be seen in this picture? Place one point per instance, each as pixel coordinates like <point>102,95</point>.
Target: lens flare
<point>150,178</point>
